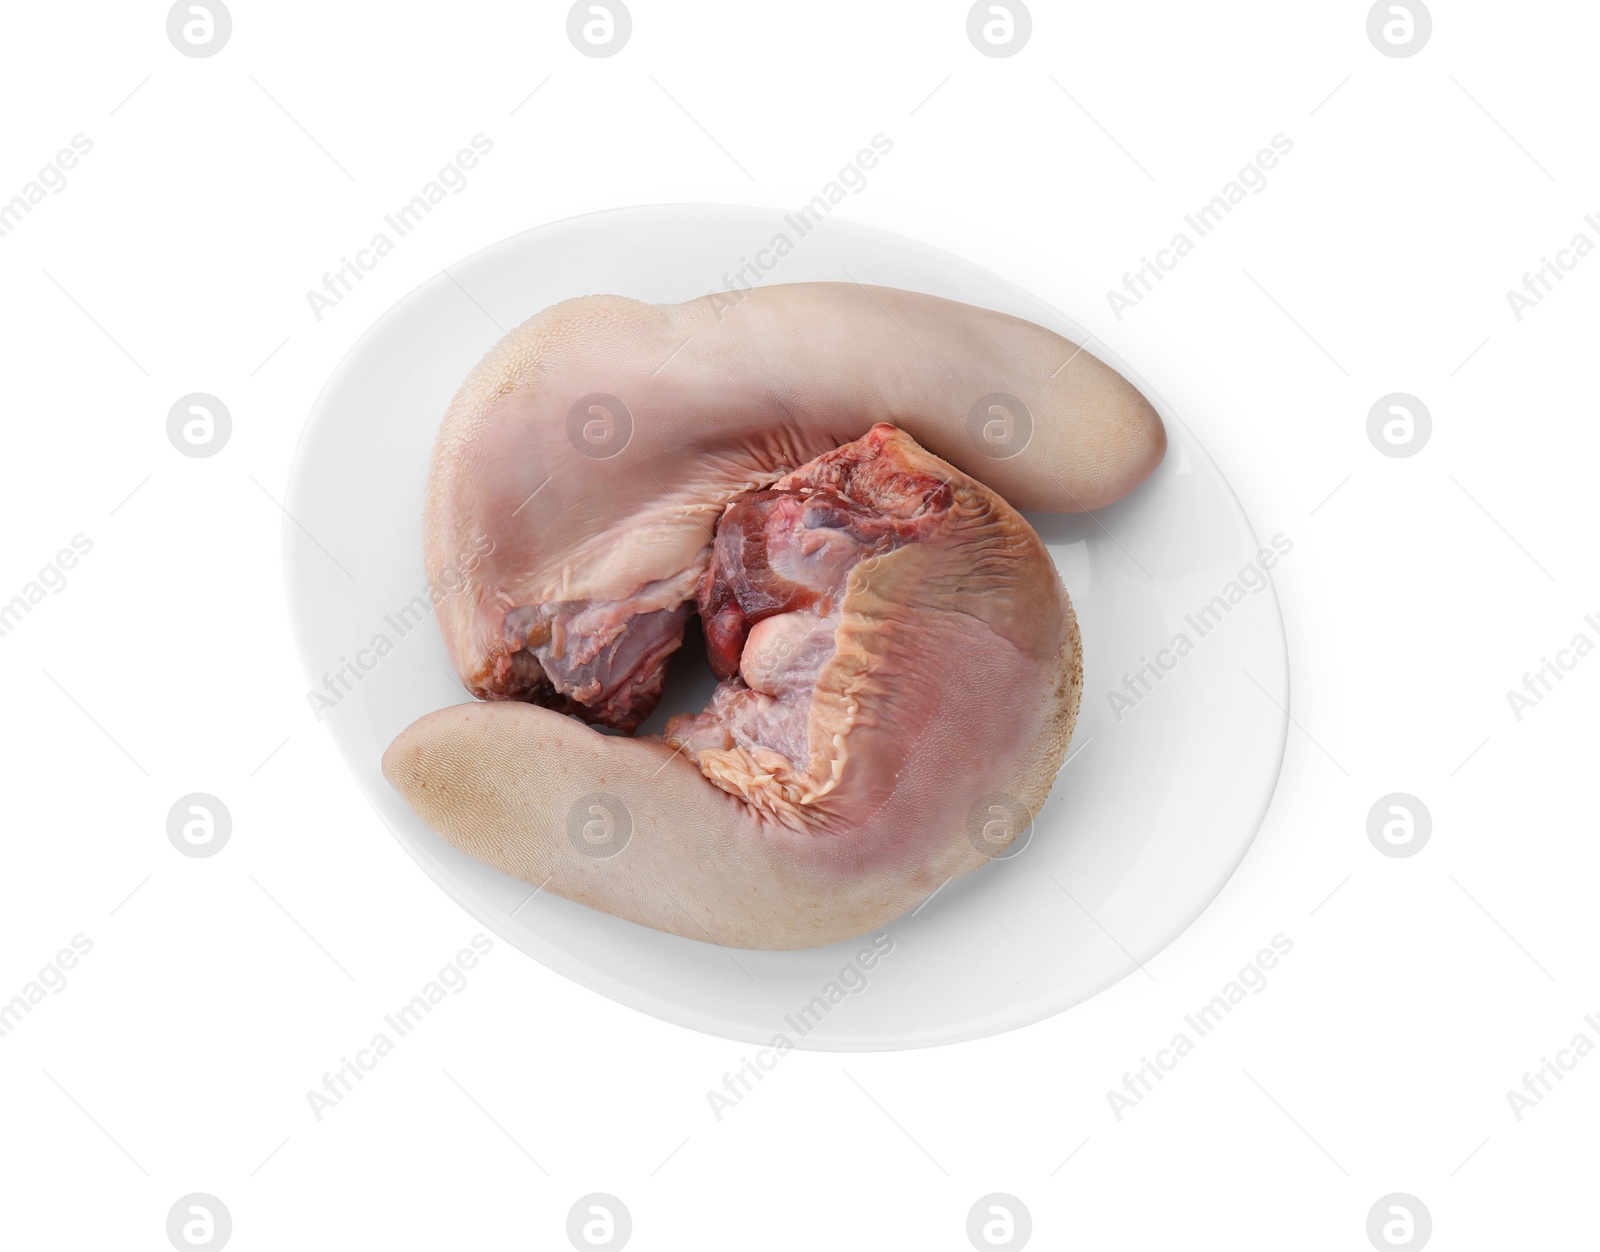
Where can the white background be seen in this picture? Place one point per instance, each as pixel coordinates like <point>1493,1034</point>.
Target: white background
<point>177,259</point>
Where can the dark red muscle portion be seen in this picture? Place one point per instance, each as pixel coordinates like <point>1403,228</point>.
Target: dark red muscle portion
<point>783,550</point>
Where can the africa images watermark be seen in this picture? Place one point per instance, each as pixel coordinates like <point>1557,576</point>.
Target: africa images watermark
<point>1537,1085</point>
<point>753,271</point>
<point>396,626</point>
<point>450,180</point>
<point>50,180</point>
<point>1251,580</point>
<point>1539,284</point>
<point>50,980</point>
<point>450,980</point>
<point>851,980</point>
<point>1539,684</point>
<point>1251,980</point>
<point>51,579</point>
<point>1250,180</point>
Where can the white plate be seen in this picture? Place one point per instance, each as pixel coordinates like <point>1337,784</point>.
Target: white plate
<point>1154,809</point>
